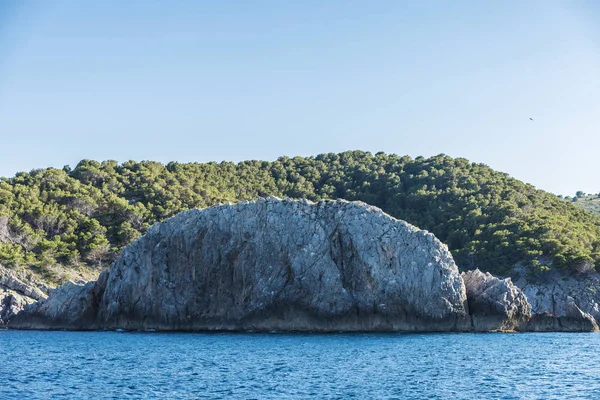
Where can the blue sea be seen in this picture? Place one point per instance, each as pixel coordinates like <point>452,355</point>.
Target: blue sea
<point>94,365</point>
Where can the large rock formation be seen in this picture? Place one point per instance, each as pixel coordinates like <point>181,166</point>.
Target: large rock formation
<point>297,265</point>
<point>494,303</point>
<point>270,265</point>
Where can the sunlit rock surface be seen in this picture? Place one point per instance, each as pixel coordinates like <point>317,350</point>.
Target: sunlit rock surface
<point>270,264</point>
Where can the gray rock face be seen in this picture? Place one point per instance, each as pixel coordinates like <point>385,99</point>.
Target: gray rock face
<point>9,281</point>
<point>564,303</point>
<point>494,303</point>
<point>15,294</point>
<point>544,322</point>
<point>70,306</point>
<point>270,265</point>
<point>11,303</point>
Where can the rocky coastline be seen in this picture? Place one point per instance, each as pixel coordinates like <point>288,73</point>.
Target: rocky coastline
<point>291,265</point>
<point>16,294</point>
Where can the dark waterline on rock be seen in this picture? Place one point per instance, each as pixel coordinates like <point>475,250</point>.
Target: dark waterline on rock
<point>36,365</point>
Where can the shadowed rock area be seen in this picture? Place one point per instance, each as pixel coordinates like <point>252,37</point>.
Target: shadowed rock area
<point>494,303</point>
<point>269,265</point>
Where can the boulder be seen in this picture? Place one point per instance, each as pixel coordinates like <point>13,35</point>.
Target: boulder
<point>495,304</point>
<point>269,264</point>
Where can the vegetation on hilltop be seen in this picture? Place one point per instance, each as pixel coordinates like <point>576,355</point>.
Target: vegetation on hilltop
<point>589,202</point>
<point>85,216</point>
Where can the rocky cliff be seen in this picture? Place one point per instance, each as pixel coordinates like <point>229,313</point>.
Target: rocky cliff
<point>270,265</point>
<point>277,264</point>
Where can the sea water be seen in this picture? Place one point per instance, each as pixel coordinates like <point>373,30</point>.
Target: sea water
<point>98,365</point>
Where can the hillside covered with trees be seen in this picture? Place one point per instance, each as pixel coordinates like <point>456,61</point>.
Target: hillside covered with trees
<point>80,219</point>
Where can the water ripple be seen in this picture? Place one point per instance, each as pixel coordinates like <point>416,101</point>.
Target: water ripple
<point>39,365</point>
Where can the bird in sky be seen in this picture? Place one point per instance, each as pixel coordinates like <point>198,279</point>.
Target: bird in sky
<point>531,118</point>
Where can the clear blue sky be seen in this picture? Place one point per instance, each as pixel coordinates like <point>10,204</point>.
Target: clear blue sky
<point>236,80</point>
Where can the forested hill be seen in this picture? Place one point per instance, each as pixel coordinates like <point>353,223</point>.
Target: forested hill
<point>81,218</point>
